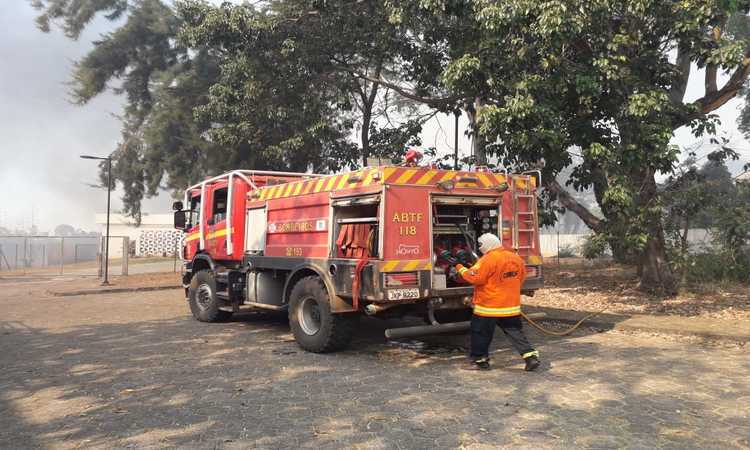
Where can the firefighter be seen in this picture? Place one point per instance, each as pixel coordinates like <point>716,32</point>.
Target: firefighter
<point>497,277</point>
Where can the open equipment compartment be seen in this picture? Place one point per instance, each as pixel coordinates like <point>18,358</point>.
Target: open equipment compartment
<point>356,227</point>
<point>457,222</point>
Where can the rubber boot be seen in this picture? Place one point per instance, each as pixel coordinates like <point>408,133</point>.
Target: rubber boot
<point>532,363</point>
<point>480,364</point>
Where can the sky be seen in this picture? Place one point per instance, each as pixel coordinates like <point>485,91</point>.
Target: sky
<point>42,134</point>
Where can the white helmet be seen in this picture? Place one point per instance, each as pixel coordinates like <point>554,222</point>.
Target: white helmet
<point>487,242</point>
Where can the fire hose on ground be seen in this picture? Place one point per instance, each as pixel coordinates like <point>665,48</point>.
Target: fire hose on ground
<point>457,327</point>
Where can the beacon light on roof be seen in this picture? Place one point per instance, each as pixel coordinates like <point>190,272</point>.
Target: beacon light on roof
<point>447,185</point>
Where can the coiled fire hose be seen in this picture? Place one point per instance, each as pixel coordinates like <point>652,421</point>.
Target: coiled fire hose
<point>561,333</point>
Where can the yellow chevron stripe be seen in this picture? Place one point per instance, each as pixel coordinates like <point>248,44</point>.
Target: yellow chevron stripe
<point>500,179</point>
<point>448,176</point>
<point>390,265</point>
<point>387,172</point>
<point>484,180</point>
<point>342,184</point>
<point>298,188</point>
<point>411,265</point>
<point>272,192</point>
<point>370,175</point>
<point>534,259</point>
<point>308,187</point>
<point>288,190</point>
<point>424,179</point>
<point>406,265</point>
<point>319,185</point>
<point>405,176</point>
<point>331,182</point>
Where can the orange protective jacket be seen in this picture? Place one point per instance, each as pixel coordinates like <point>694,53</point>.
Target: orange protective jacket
<point>497,278</point>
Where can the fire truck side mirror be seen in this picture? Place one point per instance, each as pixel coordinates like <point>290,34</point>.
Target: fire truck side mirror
<point>179,220</point>
<point>177,206</point>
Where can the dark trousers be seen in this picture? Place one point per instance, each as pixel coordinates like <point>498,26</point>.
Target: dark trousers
<point>483,328</point>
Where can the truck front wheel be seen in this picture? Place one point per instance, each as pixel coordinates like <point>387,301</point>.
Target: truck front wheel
<point>202,298</point>
<point>315,328</point>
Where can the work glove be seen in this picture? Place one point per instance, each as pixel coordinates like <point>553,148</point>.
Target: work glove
<point>452,273</point>
<point>448,256</point>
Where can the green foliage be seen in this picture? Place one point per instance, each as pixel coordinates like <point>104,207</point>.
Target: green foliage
<point>732,232</point>
<point>277,85</point>
<point>282,84</point>
<point>598,76</point>
<point>391,142</point>
<point>595,246</point>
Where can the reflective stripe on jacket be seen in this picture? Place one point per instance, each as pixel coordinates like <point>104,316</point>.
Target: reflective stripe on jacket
<point>497,278</point>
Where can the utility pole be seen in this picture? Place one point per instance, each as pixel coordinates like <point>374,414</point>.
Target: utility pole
<point>109,194</point>
<point>457,113</point>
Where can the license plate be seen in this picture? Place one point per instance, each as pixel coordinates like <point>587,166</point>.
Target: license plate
<point>403,294</point>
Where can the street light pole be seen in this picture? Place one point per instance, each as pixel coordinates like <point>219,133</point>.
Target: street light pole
<point>106,244</point>
<point>109,195</point>
<point>457,113</point>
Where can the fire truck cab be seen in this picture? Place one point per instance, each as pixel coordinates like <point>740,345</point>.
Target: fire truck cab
<point>379,241</point>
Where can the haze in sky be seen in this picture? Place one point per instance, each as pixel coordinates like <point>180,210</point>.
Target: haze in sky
<point>42,134</point>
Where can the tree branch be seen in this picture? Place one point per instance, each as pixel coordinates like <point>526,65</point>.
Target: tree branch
<point>710,82</point>
<point>431,101</point>
<point>677,93</point>
<point>713,101</point>
<point>572,204</point>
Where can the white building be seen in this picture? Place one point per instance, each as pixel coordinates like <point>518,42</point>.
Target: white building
<point>155,236</point>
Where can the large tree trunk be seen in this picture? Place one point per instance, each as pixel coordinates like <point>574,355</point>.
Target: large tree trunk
<point>657,275</point>
<point>479,142</point>
<point>365,135</point>
<point>368,102</point>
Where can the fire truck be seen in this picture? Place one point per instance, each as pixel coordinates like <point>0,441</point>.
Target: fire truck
<point>326,249</point>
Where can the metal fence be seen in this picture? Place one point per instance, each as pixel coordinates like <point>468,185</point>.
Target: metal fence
<point>80,255</point>
<point>557,245</point>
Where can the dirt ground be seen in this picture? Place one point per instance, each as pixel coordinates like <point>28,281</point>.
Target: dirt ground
<point>613,287</point>
<point>134,370</point>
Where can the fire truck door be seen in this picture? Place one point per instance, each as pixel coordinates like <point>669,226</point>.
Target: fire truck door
<point>216,235</point>
<point>192,231</point>
<point>255,230</point>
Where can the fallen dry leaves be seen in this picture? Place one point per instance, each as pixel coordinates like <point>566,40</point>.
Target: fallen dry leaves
<point>614,287</point>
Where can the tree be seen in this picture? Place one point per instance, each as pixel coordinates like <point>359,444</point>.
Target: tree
<point>164,144</point>
<point>65,230</point>
<point>598,76</point>
<point>693,198</point>
<point>339,49</point>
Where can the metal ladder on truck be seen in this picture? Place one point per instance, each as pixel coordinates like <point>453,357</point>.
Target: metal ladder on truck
<point>525,218</point>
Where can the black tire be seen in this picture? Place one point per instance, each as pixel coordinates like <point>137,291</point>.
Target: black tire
<point>330,332</point>
<point>202,298</point>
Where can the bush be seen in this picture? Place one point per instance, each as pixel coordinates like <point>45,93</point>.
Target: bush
<point>595,246</point>
<point>566,251</point>
<point>715,266</point>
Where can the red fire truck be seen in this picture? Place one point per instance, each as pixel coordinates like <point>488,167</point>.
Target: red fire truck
<point>379,241</point>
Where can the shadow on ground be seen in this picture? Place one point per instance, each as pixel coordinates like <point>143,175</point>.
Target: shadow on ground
<point>180,383</point>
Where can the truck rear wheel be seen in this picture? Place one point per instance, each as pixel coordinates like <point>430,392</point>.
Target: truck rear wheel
<point>315,328</point>
<point>202,298</point>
